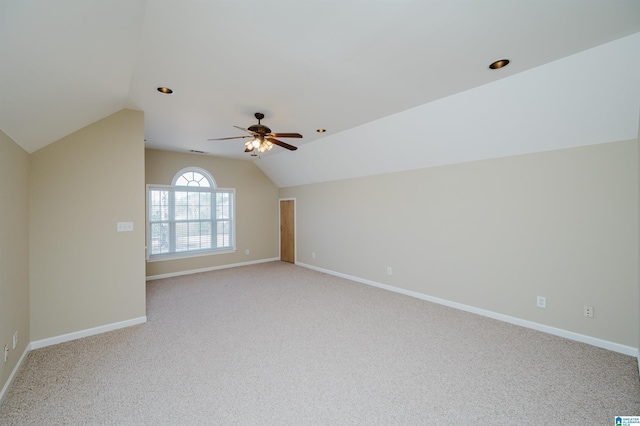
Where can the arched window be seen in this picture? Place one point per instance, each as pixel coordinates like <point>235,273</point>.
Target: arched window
<point>194,176</point>
<point>190,217</point>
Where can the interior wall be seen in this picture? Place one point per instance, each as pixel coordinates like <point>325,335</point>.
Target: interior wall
<point>493,234</point>
<point>14,252</point>
<point>256,208</point>
<point>83,273</point>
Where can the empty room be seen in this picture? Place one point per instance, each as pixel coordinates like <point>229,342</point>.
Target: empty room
<point>319,212</point>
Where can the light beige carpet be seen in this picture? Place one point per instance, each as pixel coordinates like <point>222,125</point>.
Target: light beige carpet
<point>279,344</point>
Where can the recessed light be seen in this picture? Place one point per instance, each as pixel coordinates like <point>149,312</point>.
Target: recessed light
<point>499,64</point>
<point>165,90</point>
<point>321,130</point>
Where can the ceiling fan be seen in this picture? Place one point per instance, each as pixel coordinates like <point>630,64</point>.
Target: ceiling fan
<point>262,139</point>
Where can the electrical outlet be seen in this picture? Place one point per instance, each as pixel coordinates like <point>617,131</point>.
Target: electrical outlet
<point>389,270</point>
<point>15,339</point>
<point>247,251</point>
<point>6,352</point>
<point>313,255</point>
<point>588,311</point>
<point>541,302</point>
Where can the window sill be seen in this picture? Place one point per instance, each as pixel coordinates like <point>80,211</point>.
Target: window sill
<point>175,256</point>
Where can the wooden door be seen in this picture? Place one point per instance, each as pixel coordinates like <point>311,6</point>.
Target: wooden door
<point>287,231</point>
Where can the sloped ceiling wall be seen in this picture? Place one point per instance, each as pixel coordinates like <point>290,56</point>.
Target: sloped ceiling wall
<point>588,98</point>
<point>65,65</point>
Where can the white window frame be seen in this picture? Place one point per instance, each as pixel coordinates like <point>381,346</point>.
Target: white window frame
<point>172,221</point>
<point>203,172</point>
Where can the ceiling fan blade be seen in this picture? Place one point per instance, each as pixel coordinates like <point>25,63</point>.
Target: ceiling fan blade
<point>233,137</point>
<point>245,130</point>
<point>285,135</point>
<point>282,144</point>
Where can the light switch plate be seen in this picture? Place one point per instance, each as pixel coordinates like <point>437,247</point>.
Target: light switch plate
<point>124,226</point>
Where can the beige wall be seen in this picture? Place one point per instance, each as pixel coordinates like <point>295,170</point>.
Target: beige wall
<point>493,234</point>
<point>83,273</point>
<point>14,252</point>
<point>256,208</point>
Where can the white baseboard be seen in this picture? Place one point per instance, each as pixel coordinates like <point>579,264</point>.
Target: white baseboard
<point>13,373</point>
<point>605,344</point>
<point>212,268</point>
<point>86,333</point>
<point>66,338</point>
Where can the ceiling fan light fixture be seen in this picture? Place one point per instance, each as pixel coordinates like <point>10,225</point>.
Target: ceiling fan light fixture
<point>321,130</point>
<point>165,90</point>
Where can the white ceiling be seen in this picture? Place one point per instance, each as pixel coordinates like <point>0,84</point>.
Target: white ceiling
<point>305,64</point>
<point>588,98</point>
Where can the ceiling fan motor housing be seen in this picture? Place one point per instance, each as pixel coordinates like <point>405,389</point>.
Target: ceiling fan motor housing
<point>259,128</point>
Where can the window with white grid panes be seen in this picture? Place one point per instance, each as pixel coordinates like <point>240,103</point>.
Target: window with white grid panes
<point>190,217</point>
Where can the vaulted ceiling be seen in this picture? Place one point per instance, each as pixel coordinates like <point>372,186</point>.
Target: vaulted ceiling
<point>397,84</point>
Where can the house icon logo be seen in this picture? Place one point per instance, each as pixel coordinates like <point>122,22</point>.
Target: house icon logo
<point>627,420</point>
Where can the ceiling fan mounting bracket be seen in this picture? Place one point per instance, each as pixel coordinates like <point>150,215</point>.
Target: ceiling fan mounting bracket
<point>259,116</point>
